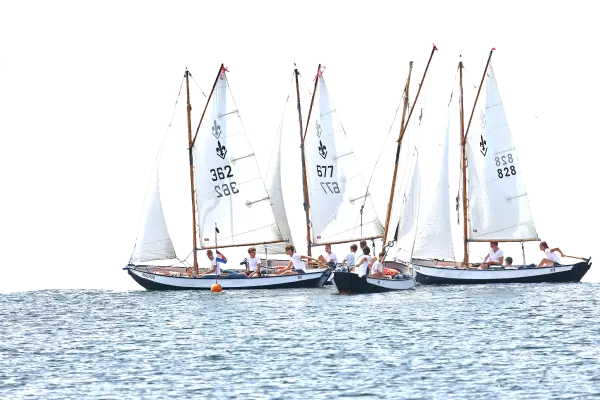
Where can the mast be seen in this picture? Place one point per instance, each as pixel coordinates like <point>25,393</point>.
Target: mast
<point>463,144</point>
<point>403,126</point>
<point>464,169</point>
<point>418,92</point>
<point>389,207</point>
<point>222,69</point>
<point>190,151</point>
<point>303,131</point>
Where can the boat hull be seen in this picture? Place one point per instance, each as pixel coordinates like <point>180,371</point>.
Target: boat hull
<point>347,283</point>
<point>429,275</point>
<point>151,281</point>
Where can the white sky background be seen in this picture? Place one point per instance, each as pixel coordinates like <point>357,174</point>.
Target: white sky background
<point>4,36</point>
<point>3,44</point>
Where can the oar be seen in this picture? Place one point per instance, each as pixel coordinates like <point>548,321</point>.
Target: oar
<point>579,258</point>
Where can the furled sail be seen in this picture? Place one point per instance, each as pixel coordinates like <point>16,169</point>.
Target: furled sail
<point>408,203</point>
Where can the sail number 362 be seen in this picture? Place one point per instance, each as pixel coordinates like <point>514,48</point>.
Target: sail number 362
<point>508,170</point>
<point>225,189</point>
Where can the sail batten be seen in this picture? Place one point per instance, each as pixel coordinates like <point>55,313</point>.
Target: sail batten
<point>230,190</point>
<point>498,204</point>
<point>334,179</point>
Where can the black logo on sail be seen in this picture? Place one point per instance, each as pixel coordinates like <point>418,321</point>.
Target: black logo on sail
<point>216,130</point>
<point>322,150</point>
<point>483,146</point>
<point>221,150</point>
<point>319,130</point>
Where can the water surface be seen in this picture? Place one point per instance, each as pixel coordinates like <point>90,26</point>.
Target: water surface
<point>490,341</point>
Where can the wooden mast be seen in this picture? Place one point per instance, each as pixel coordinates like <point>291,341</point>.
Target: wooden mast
<point>463,144</point>
<point>403,126</point>
<point>417,96</point>
<point>389,208</point>
<point>303,131</point>
<point>464,169</point>
<point>191,156</point>
<point>221,69</point>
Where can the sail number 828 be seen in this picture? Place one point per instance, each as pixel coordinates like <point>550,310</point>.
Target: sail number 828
<point>509,170</point>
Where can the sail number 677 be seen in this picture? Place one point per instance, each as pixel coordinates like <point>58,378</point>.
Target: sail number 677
<point>330,187</point>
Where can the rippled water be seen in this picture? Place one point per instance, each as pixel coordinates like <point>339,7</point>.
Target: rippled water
<point>495,341</point>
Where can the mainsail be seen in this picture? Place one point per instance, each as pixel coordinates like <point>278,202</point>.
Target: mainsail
<point>153,241</point>
<point>230,192</point>
<point>407,191</point>
<point>497,199</point>
<point>434,233</point>
<point>337,191</point>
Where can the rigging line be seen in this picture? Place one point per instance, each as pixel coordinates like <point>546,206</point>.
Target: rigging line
<point>280,128</point>
<point>304,83</point>
<point>472,83</point>
<point>198,85</point>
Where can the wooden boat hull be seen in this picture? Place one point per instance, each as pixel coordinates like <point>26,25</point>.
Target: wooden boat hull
<point>347,283</point>
<point>431,275</point>
<point>151,281</point>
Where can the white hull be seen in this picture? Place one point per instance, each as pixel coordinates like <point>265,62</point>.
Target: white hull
<point>160,282</point>
<point>428,274</point>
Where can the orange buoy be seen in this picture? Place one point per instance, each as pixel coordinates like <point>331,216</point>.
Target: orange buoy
<point>216,288</point>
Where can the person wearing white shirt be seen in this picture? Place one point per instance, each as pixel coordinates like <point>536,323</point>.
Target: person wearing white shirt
<point>297,264</point>
<point>351,257</point>
<point>253,264</point>
<point>376,270</point>
<point>360,253</point>
<point>214,265</point>
<point>550,259</point>
<point>495,256</point>
<point>329,256</point>
<point>362,263</point>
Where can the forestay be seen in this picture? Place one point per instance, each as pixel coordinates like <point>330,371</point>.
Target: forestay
<point>434,233</point>
<point>497,199</point>
<point>153,241</point>
<point>407,190</point>
<point>336,188</point>
<point>229,188</point>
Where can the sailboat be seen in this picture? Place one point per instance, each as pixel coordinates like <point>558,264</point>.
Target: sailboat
<point>231,206</point>
<point>495,206</point>
<point>339,208</point>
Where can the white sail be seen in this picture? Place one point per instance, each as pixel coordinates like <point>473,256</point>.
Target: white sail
<point>407,190</point>
<point>230,191</point>
<point>336,187</point>
<point>275,190</point>
<point>497,199</point>
<point>434,233</point>
<point>153,241</point>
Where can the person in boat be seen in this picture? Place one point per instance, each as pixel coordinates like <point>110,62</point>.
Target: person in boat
<point>508,262</point>
<point>351,257</point>
<point>362,263</point>
<point>360,253</point>
<point>376,266</point>
<point>253,264</point>
<point>214,266</point>
<point>550,258</point>
<point>329,257</point>
<point>297,264</point>
<point>495,256</point>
